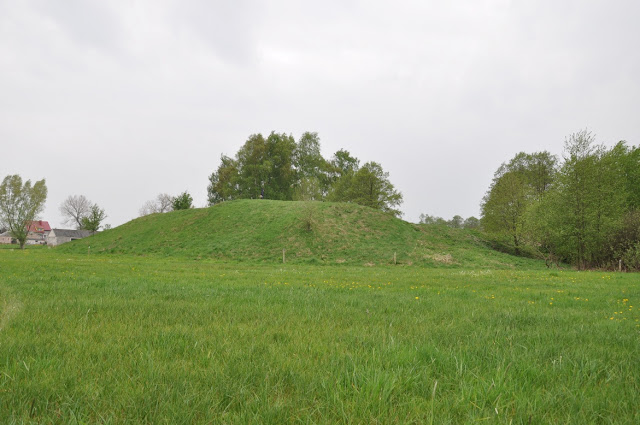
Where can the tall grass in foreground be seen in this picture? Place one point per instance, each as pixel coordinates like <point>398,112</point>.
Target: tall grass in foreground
<point>117,340</point>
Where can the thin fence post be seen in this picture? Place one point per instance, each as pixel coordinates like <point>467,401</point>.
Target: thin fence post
<point>283,257</point>
<point>394,259</point>
<point>89,250</point>
<point>619,265</point>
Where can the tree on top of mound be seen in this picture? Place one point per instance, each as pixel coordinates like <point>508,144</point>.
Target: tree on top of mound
<point>368,186</point>
<point>184,201</point>
<point>278,167</point>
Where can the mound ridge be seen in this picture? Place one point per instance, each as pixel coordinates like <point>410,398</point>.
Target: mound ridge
<point>309,232</point>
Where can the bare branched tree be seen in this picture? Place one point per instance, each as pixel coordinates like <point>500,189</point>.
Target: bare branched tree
<point>74,209</point>
<point>147,208</point>
<point>162,204</point>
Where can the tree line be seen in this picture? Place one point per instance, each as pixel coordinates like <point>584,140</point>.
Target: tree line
<point>582,209</point>
<point>278,167</point>
<point>457,222</point>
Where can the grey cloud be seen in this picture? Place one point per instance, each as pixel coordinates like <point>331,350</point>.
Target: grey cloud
<point>142,97</point>
<point>230,29</point>
<point>91,23</point>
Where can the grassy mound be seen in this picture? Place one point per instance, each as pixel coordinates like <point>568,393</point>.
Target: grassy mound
<point>309,232</point>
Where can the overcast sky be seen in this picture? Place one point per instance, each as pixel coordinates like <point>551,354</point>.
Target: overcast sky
<point>122,100</point>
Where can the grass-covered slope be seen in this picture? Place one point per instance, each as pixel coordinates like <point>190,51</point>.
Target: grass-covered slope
<point>315,232</point>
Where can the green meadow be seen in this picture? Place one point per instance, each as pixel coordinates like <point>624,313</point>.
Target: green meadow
<point>115,338</point>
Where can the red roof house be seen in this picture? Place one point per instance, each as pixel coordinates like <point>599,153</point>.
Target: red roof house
<point>38,232</point>
<point>39,226</point>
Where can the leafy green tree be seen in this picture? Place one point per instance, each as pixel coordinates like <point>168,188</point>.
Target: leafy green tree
<point>537,170</point>
<point>184,201</point>
<point>517,185</point>
<point>625,242</point>
<point>307,158</point>
<point>308,189</point>
<point>224,183</point>
<point>504,207</point>
<point>281,175</point>
<point>343,163</point>
<point>431,219</point>
<point>628,162</point>
<point>471,223</point>
<point>632,169</point>
<point>343,169</point>
<point>313,171</point>
<point>253,167</point>
<point>342,188</point>
<point>282,169</point>
<point>539,226</point>
<point>587,202</point>
<point>20,204</point>
<point>456,222</point>
<point>582,211</point>
<point>368,186</point>
<point>261,165</point>
<point>93,221</point>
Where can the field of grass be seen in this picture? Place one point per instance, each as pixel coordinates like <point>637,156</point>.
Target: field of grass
<point>310,233</point>
<point>130,339</point>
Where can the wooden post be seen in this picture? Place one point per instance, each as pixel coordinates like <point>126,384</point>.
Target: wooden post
<point>619,265</point>
<point>89,250</point>
<point>394,259</point>
<point>283,258</point>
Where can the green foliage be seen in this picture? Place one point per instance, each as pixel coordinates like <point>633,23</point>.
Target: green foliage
<point>20,204</point>
<point>260,165</point>
<point>224,183</point>
<point>431,219</point>
<point>625,243</point>
<point>504,207</point>
<point>93,221</point>
<point>279,168</point>
<point>368,186</point>
<point>184,201</point>
<point>281,173</point>
<point>313,171</point>
<point>126,340</point>
<point>536,170</point>
<point>518,186</point>
<point>457,222</point>
<point>631,167</point>
<point>307,157</point>
<point>588,201</point>
<point>343,163</point>
<point>308,189</point>
<point>471,223</point>
<point>574,212</point>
